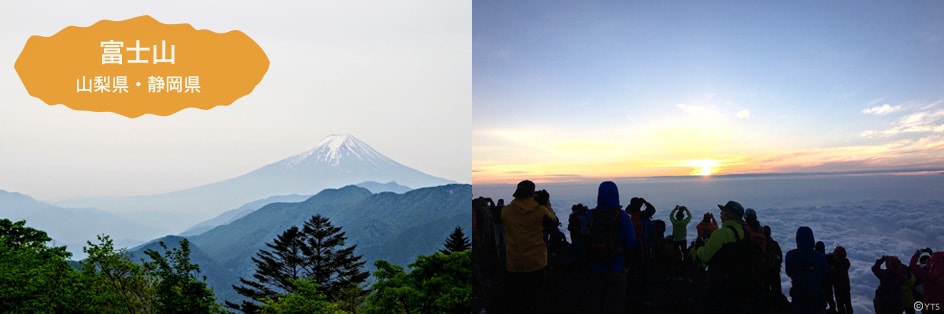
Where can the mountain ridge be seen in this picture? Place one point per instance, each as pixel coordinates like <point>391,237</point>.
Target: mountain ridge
<point>375,222</point>
<point>59,222</point>
<point>337,161</point>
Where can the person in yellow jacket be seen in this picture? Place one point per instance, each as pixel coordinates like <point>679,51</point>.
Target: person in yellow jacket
<point>525,250</point>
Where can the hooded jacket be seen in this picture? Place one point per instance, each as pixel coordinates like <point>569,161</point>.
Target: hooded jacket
<point>807,271</point>
<point>525,249</point>
<point>608,199</point>
<point>933,278</point>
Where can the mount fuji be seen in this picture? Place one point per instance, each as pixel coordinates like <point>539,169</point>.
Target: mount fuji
<point>336,161</point>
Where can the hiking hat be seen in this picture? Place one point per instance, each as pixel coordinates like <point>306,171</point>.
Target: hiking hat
<point>733,207</point>
<point>525,189</point>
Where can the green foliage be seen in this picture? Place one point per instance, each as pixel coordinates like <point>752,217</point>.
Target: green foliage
<point>178,289</point>
<point>275,270</point>
<point>394,227</point>
<point>316,251</point>
<point>330,264</point>
<point>305,298</point>
<point>439,283</point>
<point>353,298</point>
<point>17,236</point>
<point>35,278</point>
<point>116,284</point>
<point>457,242</point>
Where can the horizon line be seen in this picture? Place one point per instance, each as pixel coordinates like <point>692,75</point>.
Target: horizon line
<point>582,179</point>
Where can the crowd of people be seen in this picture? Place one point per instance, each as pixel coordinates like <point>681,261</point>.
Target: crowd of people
<point>620,260</point>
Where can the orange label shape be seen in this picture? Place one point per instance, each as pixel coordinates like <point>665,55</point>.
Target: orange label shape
<point>141,66</point>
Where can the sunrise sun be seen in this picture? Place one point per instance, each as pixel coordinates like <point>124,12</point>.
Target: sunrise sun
<point>702,167</point>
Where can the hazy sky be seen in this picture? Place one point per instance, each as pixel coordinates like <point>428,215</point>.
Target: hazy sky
<point>634,89</point>
<point>395,74</point>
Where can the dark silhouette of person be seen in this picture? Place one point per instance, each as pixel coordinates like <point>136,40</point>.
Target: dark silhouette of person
<point>829,301</point>
<point>576,221</point>
<point>774,265</point>
<point>608,279</point>
<point>639,258</point>
<point>888,295</point>
<point>807,270</point>
<point>841,282</point>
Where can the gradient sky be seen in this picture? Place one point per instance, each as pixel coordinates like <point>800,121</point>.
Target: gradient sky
<point>396,75</point>
<point>571,89</point>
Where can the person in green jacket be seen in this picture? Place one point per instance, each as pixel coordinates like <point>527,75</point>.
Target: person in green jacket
<point>680,217</point>
<point>719,296</point>
<point>907,291</point>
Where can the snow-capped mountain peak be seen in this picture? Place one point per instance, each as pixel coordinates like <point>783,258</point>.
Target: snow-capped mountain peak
<point>335,148</point>
<point>335,141</point>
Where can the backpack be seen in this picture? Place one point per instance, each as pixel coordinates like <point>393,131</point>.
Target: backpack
<point>739,266</point>
<point>757,236</point>
<point>559,252</point>
<point>603,236</point>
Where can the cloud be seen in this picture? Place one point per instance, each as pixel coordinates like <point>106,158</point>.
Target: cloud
<point>881,110</point>
<point>930,121</point>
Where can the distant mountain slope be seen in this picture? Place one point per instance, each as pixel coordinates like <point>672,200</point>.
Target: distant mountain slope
<point>232,244</point>
<point>71,227</point>
<point>233,214</point>
<point>395,227</point>
<point>377,187</point>
<point>338,160</point>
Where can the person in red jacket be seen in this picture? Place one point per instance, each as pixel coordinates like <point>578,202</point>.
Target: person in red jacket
<point>933,280</point>
<point>888,295</point>
<point>707,225</point>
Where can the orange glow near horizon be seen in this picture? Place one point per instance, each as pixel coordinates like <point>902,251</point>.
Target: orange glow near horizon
<point>579,172</point>
<point>705,167</point>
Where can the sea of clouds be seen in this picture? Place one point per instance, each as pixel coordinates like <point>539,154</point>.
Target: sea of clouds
<point>870,215</point>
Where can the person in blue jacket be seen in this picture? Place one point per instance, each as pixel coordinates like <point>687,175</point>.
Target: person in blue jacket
<point>608,280</point>
<point>807,270</point>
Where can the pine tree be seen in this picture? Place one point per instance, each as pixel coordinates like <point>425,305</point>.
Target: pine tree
<point>457,242</point>
<point>275,270</point>
<point>315,252</point>
<point>332,266</point>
